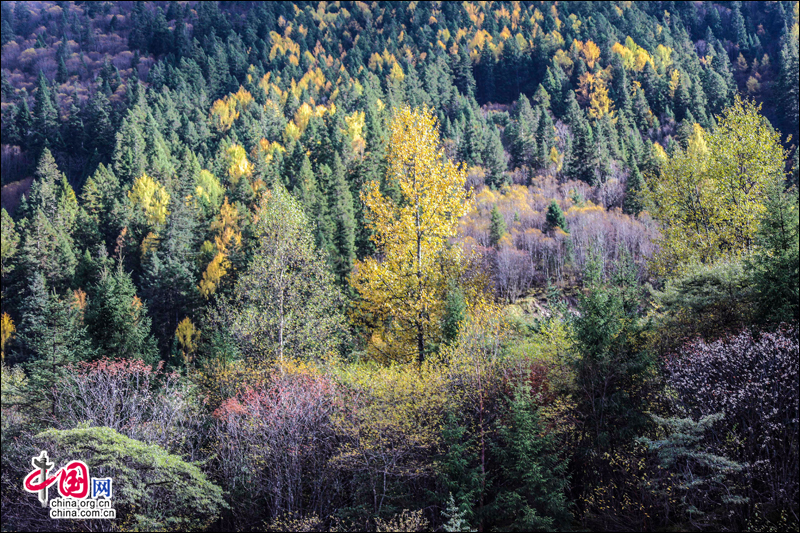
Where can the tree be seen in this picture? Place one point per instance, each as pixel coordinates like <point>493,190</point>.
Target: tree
<point>555,218</point>
<point>611,371</point>
<point>160,490</point>
<point>533,482</point>
<point>8,247</point>
<point>632,205</point>
<point>774,265</point>
<point>117,319</point>
<point>498,227</point>
<point>454,516</point>
<point>523,136</point>
<point>405,290</point>
<point>753,379</point>
<point>285,305</point>
<point>45,116</point>
<point>495,157</point>
<point>341,208</point>
<point>710,198</point>
<point>51,335</point>
<point>706,482</point>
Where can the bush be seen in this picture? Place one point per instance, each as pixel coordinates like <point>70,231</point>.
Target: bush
<point>753,379</point>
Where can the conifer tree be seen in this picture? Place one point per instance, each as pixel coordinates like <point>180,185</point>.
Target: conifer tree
<point>495,158</point>
<point>50,336</point>
<point>632,204</point>
<point>341,207</point>
<point>45,116</point>
<point>555,217</point>
<point>117,319</point>
<point>498,228</point>
<point>532,486</point>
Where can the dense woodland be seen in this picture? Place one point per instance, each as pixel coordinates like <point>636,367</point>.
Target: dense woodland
<point>403,266</point>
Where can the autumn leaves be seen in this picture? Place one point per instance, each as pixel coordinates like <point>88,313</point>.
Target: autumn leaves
<point>402,294</point>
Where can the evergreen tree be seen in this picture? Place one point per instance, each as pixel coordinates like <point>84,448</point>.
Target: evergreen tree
<point>100,129</point>
<point>341,207</point>
<point>117,319</point>
<point>613,365</point>
<point>51,335</point>
<point>498,227</point>
<point>531,490</point>
<point>129,157</point>
<point>775,265</point>
<point>495,158</point>
<point>632,204</point>
<point>45,116</point>
<point>555,218</point>
<point>464,80</point>
<point>523,137</point>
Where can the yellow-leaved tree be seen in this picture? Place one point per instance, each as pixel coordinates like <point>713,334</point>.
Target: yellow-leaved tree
<point>152,198</point>
<point>7,330</point>
<point>402,291</point>
<point>711,197</point>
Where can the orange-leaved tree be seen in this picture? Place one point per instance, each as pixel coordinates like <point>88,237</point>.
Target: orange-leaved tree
<point>402,291</point>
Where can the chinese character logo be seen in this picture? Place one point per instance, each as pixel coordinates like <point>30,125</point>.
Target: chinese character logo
<point>101,487</point>
<point>73,480</point>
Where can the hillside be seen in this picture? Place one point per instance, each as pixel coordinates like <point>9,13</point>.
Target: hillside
<point>404,265</point>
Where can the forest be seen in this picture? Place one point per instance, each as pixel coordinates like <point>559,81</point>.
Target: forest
<point>402,266</point>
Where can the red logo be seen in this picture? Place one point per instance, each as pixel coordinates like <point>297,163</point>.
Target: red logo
<point>73,479</point>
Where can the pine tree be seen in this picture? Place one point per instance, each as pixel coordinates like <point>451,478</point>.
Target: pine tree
<point>341,207</point>
<point>533,478</point>
<point>50,336</point>
<point>498,228</point>
<point>523,137</point>
<point>455,309</point>
<point>773,268</point>
<point>117,319</point>
<point>614,364</point>
<point>100,130</point>
<point>24,119</point>
<point>45,116</point>
<point>555,218</point>
<point>454,516</point>
<point>168,282</point>
<point>494,157</point>
<point>546,139</point>
<point>464,79</point>
<point>632,204</point>
<point>8,249</point>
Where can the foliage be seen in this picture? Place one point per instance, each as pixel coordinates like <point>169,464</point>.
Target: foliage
<point>774,266</point>
<point>152,198</point>
<point>753,381</point>
<point>533,497</point>
<point>7,330</point>
<point>145,151</point>
<point>285,305</point>
<point>706,482</point>
<point>455,517</point>
<point>710,198</point>
<point>153,489</point>
<point>272,443</point>
<point>419,226</point>
<point>128,396</point>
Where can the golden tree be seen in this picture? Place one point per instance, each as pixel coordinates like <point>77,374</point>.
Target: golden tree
<point>187,335</point>
<point>7,330</point>
<point>402,293</point>
<point>152,197</point>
